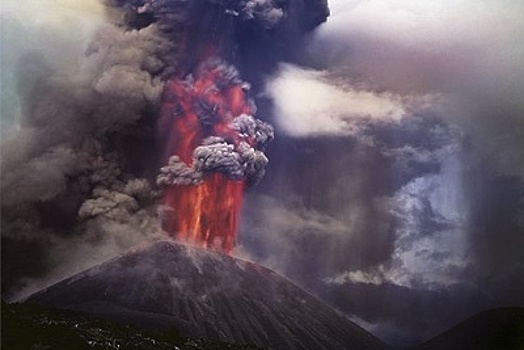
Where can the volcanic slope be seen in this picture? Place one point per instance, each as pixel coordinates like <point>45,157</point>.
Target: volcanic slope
<point>207,295</point>
<point>498,329</point>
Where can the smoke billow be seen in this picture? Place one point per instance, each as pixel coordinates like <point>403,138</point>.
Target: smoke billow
<point>236,142</point>
<point>215,155</point>
<point>396,180</point>
<point>80,151</point>
<point>409,112</point>
<point>68,177</point>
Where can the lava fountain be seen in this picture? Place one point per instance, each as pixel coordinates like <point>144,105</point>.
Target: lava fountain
<point>213,148</point>
<point>212,145</point>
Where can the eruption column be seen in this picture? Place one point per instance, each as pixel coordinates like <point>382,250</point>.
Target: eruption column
<point>212,146</point>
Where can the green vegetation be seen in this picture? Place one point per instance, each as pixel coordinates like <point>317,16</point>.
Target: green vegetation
<point>33,327</point>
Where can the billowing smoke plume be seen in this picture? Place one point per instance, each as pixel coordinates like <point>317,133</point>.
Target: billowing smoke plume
<point>80,163</point>
<point>235,149</point>
<point>267,13</point>
<point>396,179</point>
<point>206,124</point>
<point>215,155</point>
<point>69,177</point>
<point>410,113</point>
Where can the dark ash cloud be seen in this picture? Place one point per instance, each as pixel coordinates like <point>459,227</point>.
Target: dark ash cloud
<point>78,175</point>
<point>402,124</point>
<point>72,191</point>
<point>395,185</point>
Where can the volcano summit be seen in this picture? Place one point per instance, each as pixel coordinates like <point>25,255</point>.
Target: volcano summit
<point>206,294</point>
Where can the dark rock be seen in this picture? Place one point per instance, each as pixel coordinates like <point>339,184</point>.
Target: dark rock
<point>208,295</point>
<point>490,330</point>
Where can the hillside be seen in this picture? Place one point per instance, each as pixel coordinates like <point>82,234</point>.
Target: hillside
<point>206,295</point>
<point>498,329</point>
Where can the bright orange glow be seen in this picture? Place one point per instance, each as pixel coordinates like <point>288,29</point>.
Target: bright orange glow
<point>204,214</point>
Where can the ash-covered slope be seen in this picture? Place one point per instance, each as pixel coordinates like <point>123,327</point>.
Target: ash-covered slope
<point>498,329</point>
<point>205,294</point>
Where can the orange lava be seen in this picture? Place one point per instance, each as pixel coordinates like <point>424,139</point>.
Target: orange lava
<point>204,214</point>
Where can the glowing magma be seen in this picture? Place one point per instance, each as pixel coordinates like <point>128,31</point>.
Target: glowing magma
<point>194,108</point>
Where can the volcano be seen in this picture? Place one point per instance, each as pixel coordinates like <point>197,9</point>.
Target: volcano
<point>206,294</point>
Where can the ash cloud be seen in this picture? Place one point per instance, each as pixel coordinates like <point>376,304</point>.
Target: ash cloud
<point>71,187</point>
<point>237,161</point>
<point>267,13</point>
<point>78,117</point>
<point>254,35</point>
<point>465,56</point>
<point>348,180</point>
<point>431,90</point>
<point>406,148</point>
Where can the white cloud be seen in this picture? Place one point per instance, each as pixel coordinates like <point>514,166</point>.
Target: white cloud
<point>309,103</point>
<point>461,46</point>
<point>470,52</point>
<point>59,13</point>
<point>55,32</point>
<point>374,276</point>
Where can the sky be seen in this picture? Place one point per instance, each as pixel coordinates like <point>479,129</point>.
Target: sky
<point>395,185</point>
